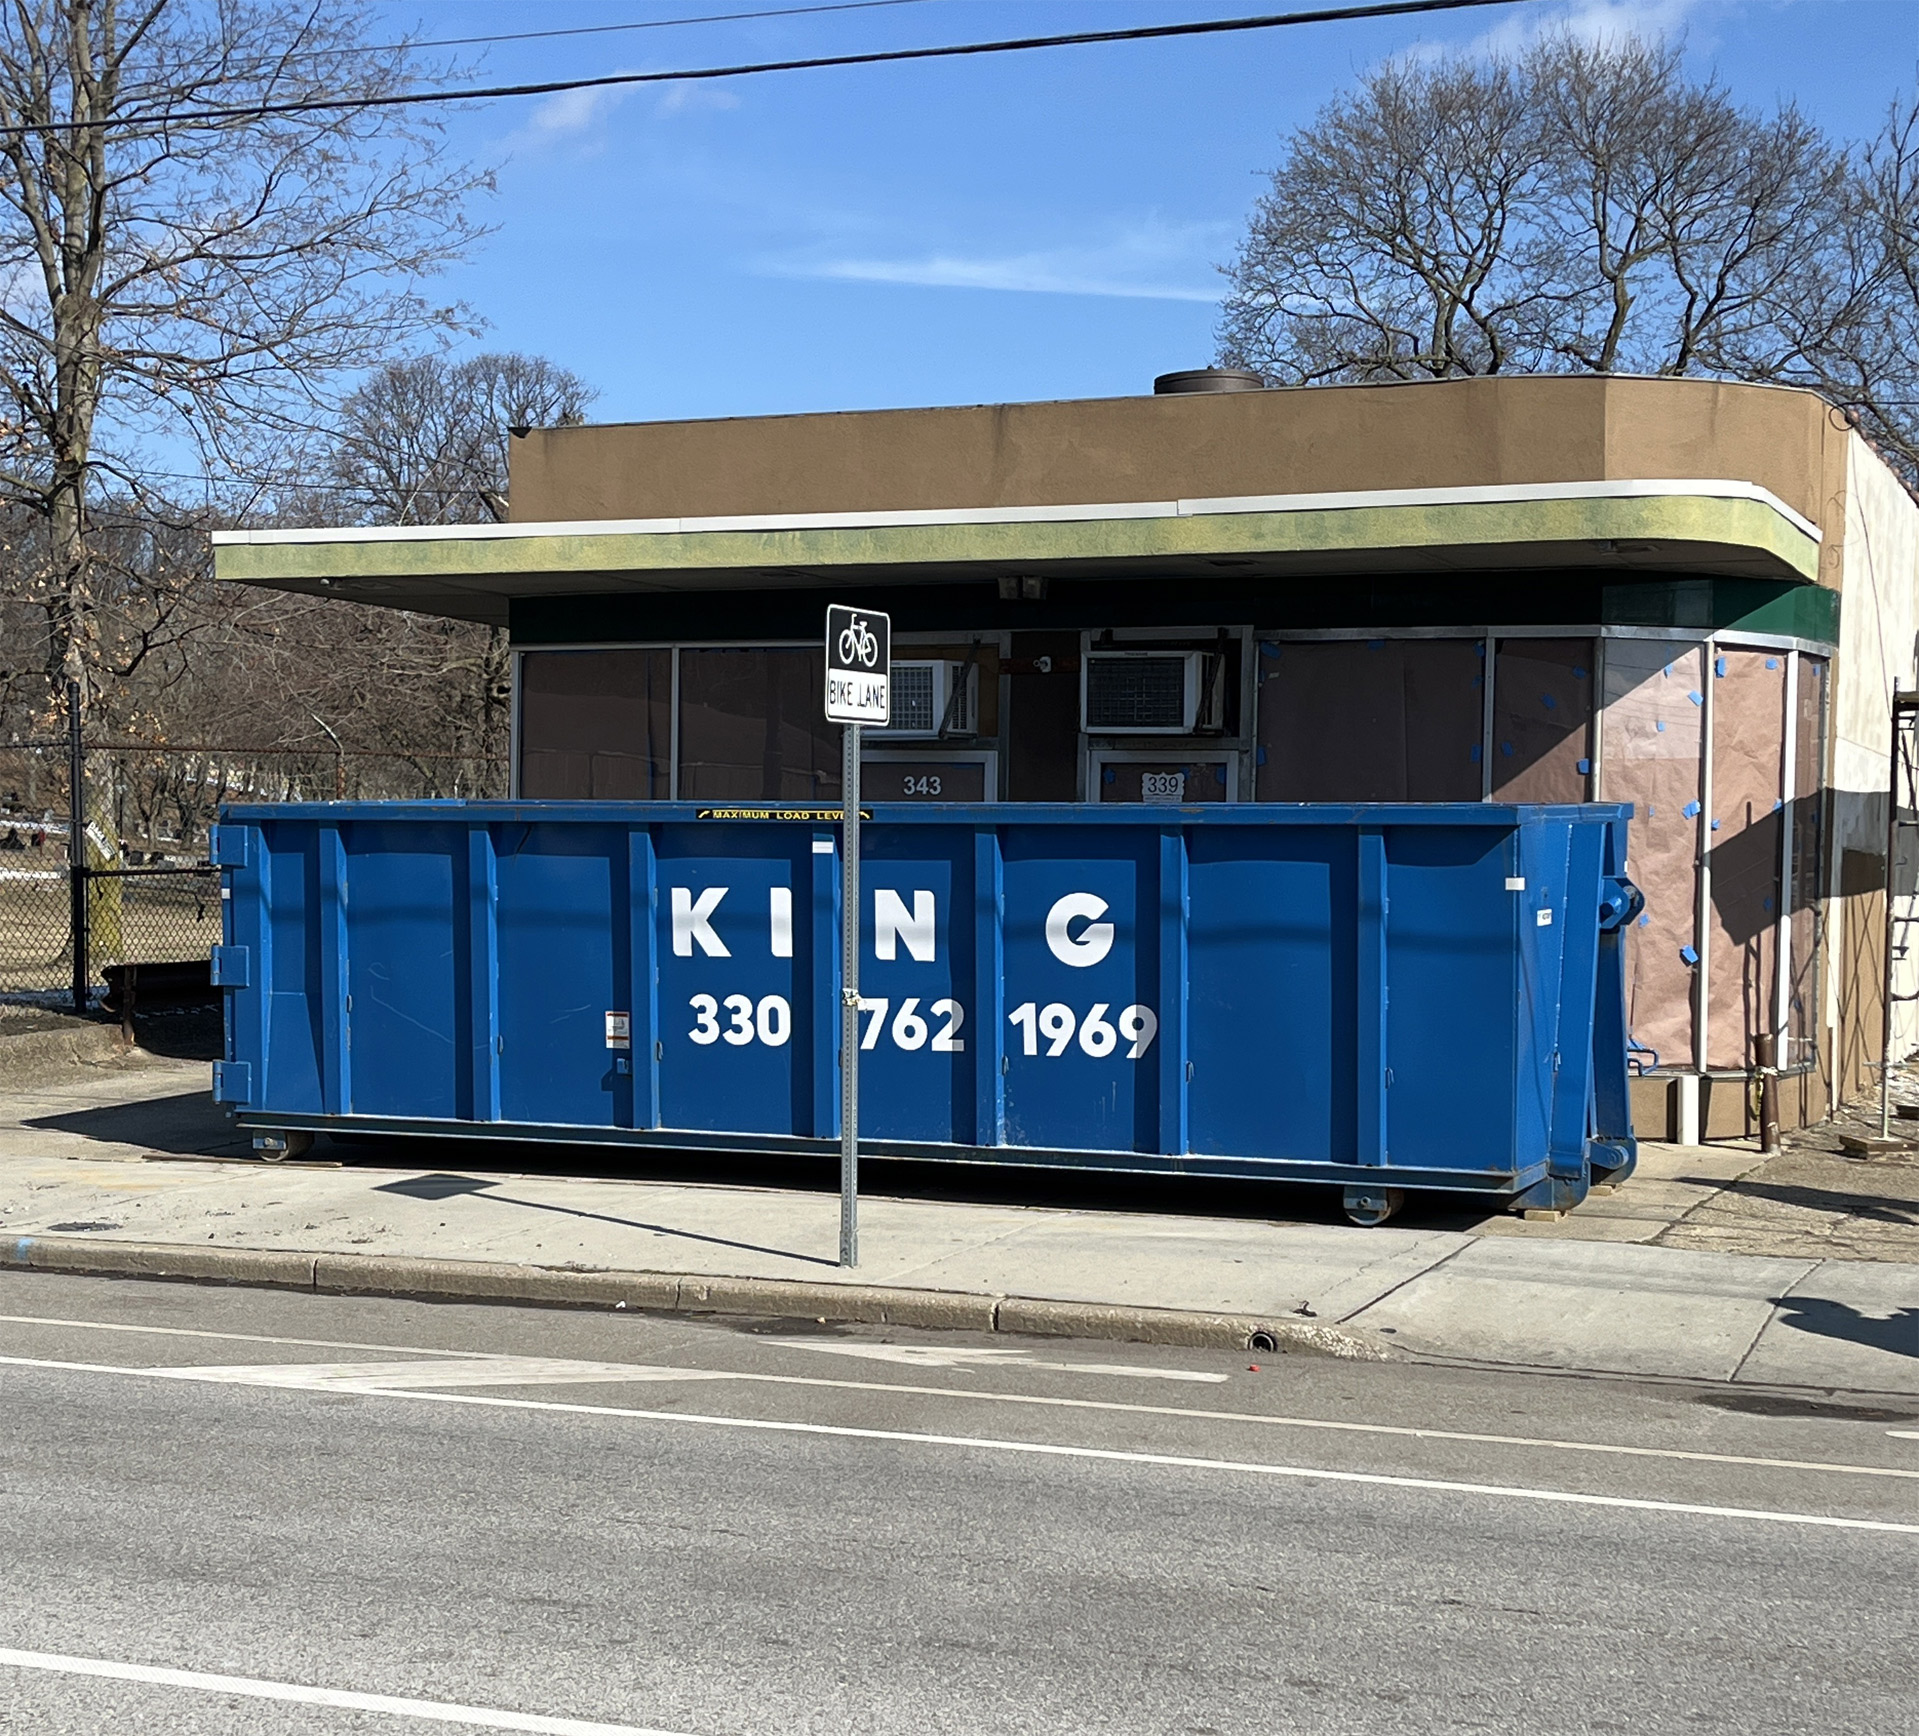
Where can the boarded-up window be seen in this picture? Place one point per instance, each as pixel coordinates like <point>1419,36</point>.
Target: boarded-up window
<point>1743,845</point>
<point>1650,738</point>
<point>1370,720</point>
<point>753,726</point>
<point>1542,720</point>
<point>594,725</point>
<point>1808,854</point>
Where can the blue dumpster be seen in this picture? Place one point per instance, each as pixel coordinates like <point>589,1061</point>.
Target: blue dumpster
<point>1375,997</point>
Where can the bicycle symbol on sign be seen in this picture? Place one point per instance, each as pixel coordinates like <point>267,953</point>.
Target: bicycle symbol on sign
<point>858,643</point>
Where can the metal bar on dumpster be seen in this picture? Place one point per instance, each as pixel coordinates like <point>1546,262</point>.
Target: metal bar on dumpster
<point>850,1003</point>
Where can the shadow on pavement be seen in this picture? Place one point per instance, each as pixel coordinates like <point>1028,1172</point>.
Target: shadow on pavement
<point>186,1124</point>
<point>1898,1334</point>
<point>189,1125</point>
<point>443,1187</point>
<point>1875,1207</point>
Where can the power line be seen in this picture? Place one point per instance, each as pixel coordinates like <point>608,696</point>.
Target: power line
<point>815,63</point>
<point>645,24</point>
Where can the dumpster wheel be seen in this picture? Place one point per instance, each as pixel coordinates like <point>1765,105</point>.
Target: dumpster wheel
<point>1367,1206</point>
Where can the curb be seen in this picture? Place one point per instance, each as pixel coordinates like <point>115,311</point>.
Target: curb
<point>675,1293</point>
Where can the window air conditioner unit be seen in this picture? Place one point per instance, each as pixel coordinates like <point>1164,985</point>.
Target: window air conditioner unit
<point>924,707</point>
<point>1153,693</point>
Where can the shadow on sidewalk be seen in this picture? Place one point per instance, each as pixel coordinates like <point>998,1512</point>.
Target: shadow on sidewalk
<point>445,1187</point>
<point>1898,1335</point>
<point>186,1124</point>
<point>1875,1207</point>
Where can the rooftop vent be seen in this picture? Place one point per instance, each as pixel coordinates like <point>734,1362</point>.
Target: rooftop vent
<point>1209,380</point>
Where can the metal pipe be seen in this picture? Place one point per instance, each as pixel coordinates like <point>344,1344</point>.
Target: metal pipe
<point>1766,1053</point>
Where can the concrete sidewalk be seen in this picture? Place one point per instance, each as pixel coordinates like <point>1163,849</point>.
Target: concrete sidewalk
<point>104,1161</point>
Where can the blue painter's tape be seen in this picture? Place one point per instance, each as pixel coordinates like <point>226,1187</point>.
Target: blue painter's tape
<point>1765,903</point>
<point>1691,810</point>
<point>1260,757</point>
<point>1715,825</point>
<point>1109,776</point>
<point>1550,703</point>
<point>1696,697</point>
<point>1719,667</point>
<point>1268,649</point>
<point>1578,673</point>
<point>1475,753</point>
<point>1645,921</point>
<point>1506,748</point>
<point>1772,662</point>
<point>1659,725</point>
<point>1219,774</point>
<point>1375,644</point>
<point>1585,768</point>
<point>1668,671</point>
<point>1689,955</point>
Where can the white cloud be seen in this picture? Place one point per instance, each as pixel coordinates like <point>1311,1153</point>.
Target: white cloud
<point>1148,263</point>
<point>568,113</point>
<point>1591,20</point>
<point>689,98</point>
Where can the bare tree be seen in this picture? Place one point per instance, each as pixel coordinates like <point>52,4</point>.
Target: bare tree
<point>424,441</point>
<point>1385,248</point>
<point>1585,207</point>
<point>186,269</point>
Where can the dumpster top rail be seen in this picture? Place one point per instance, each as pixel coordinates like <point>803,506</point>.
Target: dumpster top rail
<point>949,813</point>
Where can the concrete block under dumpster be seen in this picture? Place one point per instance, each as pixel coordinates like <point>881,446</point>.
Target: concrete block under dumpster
<point>1376,997</point>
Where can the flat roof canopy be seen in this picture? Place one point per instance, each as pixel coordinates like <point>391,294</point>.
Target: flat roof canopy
<point>1597,474</point>
<point>473,572</point>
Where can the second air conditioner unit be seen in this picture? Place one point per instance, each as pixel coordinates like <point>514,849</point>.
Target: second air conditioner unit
<point>932,697</point>
<point>1153,693</point>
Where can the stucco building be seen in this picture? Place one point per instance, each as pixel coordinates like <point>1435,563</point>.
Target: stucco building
<point>1695,597</point>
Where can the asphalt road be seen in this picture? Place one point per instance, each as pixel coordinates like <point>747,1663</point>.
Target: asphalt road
<point>271,1513</point>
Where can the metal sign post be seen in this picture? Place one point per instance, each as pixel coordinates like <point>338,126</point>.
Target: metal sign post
<point>859,665</point>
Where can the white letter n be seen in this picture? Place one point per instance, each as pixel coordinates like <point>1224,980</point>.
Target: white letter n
<point>891,924</point>
<point>692,921</point>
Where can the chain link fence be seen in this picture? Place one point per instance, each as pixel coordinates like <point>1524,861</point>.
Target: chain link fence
<point>130,907</point>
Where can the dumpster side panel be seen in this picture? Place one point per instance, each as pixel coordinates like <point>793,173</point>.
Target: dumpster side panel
<point>1271,1002</point>
<point>920,1026</point>
<point>562,936</point>
<point>1081,955</point>
<point>739,1010</point>
<point>285,877</point>
<point>1450,1055</point>
<point>395,919</point>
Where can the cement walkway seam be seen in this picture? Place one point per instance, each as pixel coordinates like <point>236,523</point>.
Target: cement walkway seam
<point>675,1293</point>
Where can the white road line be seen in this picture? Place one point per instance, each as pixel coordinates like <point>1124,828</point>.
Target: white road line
<point>1263,1419</point>
<point>235,1337</point>
<point>1047,1449</point>
<point>447,1371</point>
<point>963,1355</point>
<point>439,1711</point>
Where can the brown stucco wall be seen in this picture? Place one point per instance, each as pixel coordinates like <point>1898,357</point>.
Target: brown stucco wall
<point>1309,440</point>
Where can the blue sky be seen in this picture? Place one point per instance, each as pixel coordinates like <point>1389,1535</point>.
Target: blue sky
<point>1041,225</point>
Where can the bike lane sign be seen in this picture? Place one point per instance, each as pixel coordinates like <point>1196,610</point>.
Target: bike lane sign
<point>859,664</point>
